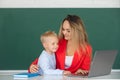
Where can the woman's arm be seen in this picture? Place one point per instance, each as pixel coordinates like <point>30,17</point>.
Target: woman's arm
<point>33,67</point>
<point>86,63</point>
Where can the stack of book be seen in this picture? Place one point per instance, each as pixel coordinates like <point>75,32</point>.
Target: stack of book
<point>24,75</point>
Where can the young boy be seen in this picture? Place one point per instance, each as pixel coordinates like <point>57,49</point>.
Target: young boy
<point>47,61</point>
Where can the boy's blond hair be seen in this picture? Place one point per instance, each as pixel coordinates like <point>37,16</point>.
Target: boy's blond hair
<point>47,34</point>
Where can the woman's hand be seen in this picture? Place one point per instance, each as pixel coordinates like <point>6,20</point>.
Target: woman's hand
<point>33,68</point>
<point>81,72</point>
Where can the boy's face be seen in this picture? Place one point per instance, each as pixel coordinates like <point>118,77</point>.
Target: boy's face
<point>51,44</point>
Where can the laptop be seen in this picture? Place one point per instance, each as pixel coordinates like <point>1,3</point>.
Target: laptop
<point>101,64</point>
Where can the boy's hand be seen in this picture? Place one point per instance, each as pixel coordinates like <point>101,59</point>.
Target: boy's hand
<point>66,72</point>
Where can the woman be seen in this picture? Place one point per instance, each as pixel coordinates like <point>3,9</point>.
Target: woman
<point>74,52</point>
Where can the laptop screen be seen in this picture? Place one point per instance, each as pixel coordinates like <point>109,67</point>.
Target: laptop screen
<point>102,63</point>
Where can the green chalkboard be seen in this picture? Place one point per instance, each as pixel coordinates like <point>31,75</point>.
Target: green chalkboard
<point>20,29</point>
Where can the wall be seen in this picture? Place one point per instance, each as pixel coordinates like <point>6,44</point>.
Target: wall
<point>20,29</point>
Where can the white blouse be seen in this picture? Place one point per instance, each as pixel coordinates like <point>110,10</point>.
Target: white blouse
<point>68,61</point>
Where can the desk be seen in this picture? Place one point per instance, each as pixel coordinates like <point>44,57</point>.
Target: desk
<point>8,75</point>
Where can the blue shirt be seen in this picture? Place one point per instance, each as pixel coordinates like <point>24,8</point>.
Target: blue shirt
<point>47,64</point>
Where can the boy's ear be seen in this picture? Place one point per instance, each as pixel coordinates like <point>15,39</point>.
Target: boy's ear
<point>44,45</point>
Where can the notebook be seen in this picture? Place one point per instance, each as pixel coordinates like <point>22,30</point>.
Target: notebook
<point>24,75</point>
<point>101,64</point>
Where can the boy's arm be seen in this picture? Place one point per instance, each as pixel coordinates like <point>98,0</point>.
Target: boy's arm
<point>45,65</point>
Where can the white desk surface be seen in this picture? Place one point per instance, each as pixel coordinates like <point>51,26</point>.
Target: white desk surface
<point>8,75</point>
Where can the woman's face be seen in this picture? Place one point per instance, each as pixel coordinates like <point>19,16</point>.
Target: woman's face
<point>66,30</point>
